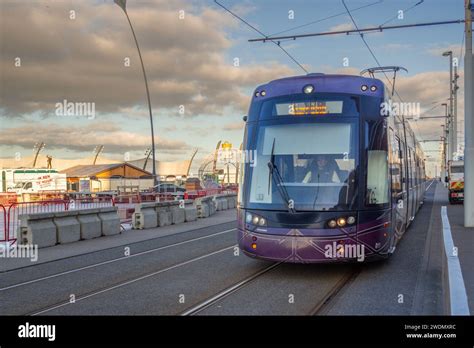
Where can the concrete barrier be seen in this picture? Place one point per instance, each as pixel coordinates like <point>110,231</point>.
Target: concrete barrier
<point>90,224</point>
<point>110,221</point>
<point>177,215</point>
<point>190,213</point>
<point>231,201</point>
<point>163,209</point>
<point>164,216</point>
<point>221,203</point>
<point>67,226</point>
<point>160,214</point>
<point>144,216</point>
<point>49,229</point>
<point>37,229</point>
<point>212,206</point>
<point>203,210</point>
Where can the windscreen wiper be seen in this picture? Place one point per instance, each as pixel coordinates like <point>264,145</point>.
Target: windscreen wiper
<point>275,174</point>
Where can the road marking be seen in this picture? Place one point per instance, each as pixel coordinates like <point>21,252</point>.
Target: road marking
<point>457,289</point>
<point>113,260</point>
<point>432,181</point>
<point>136,279</point>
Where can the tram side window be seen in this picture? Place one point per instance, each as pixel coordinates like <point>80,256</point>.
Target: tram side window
<point>241,181</point>
<point>377,163</point>
<point>395,163</point>
<point>417,169</point>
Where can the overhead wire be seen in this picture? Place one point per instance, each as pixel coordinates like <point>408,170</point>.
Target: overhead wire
<point>326,18</point>
<point>404,11</point>
<point>377,61</point>
<point>262,34</point>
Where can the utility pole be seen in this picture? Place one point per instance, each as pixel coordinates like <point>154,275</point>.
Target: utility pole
<point>445,139</point>
<point>468,123</point>
<point>455,111</point>
<point>450,114</point>
<point>444,172</point>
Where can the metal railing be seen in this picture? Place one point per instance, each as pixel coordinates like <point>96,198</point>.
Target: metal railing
<point>11,215</point>
<point>11,209</point>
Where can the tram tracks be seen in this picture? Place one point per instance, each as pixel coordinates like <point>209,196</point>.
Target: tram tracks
<point>227,292</point>
<point>106,262</point>
<point>328,299</point>
<point>323,301</point>
<point>103,290</point>
<point>99,290</point>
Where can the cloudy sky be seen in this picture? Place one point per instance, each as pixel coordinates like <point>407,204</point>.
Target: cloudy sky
<point>83,51</point>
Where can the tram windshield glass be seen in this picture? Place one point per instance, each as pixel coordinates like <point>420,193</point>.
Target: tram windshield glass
<point>312,166</point>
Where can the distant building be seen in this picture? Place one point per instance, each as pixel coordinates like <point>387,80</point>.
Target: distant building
<point>166,170</point>
<point>107,177</point>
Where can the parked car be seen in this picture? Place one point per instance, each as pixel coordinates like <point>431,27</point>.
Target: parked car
<point>169,188</point>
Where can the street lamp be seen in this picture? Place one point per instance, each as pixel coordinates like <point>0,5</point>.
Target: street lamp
<point>443,155</point>
<point>450,122</point>
<point>37,149</point>
<point>123,5</point>
<point>468,120</point>
<point>446,133</point>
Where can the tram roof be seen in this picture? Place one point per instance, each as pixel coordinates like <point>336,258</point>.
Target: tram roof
<point>323,83</point>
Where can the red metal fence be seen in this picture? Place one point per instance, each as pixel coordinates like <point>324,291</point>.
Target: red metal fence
<point>11,209</point>
<point>10,214</point>
<point>3,224</point>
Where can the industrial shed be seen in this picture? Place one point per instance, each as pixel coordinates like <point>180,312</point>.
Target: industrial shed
<point>107,177</point>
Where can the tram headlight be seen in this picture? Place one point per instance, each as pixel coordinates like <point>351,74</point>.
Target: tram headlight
<point>255,220</point>
<point>263,93</point>
<point>364,88</point>
<point>257,94</point>
<point>308,89</point>
<point>341,222</point>
<point>248,218</point>
<point>373,88</point>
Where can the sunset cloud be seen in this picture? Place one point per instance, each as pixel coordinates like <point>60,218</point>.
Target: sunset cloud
<point>85,59</point>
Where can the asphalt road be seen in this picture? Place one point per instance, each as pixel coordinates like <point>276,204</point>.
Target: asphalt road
<point>201,272</point>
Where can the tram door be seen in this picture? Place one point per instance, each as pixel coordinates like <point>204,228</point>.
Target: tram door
<point>398,176</point>
<point>412,185</point>
<point>405,206</point>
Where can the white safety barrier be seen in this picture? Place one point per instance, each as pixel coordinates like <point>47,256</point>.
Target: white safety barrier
<point>453,282</point>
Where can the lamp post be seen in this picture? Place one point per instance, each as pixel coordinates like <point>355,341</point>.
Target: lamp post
<point>450,117</point>
<point>455,109</point>
<point>123,5</point>
<point>468,122</point>
<point>444,167</point>
<point>446,140</point>
<point>37,148</point>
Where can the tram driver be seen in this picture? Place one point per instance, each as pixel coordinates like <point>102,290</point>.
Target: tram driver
<point>321,170</point>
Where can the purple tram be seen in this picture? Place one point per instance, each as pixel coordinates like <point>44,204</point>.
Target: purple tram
<point>330,171</point>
